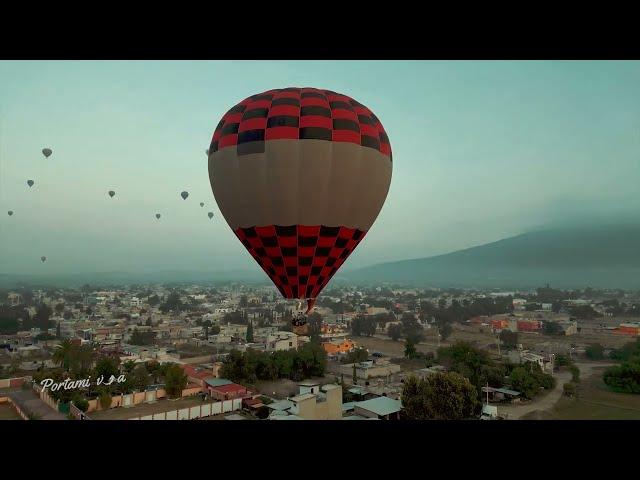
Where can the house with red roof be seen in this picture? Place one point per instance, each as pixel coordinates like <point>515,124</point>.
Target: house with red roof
<point>223,389</point>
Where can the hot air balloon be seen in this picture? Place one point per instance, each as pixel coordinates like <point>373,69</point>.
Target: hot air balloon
<point>10,212</point>
<point>47,152</point>
<point>202,204</point>
<point>30,183</point>
<point>210,214</point>
<point>43,259</point>
<point>111,193</point>
<point>184,195</point>
<point>158,216</point>
<point>300,175</point>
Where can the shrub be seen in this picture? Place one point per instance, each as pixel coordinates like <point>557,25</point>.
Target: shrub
<point>569,389</point>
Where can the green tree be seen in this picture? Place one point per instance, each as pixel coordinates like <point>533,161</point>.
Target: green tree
<point>551,328</point>
<point>58,335</point>
<point>624,378</point>
<point>594,351</point>
<point>628,351</point>
<point>173,303</point>
<point>250,332</point>
<point>472,363</point>
<point>175,380</point>
<point>128,366</point>
<point>524,382</point>
<point>63,354</point>
<point>315,327</point>
<point>575,373</point>
<point>81,402</point>
<point>59,308</point>
<point>356,356</point>
<point>410,348</point>
<point>562,360</point>
<point>569,389</point>
<point>443,396</point>
<point>141,338</point>
<point>509,339</point>
<point>140,378</point>
<point>41,318</point>
<point>81,361</point>
<point>106,367</point>
<point>445,331</point>
<point>153,301</point>
<point>394,332</point>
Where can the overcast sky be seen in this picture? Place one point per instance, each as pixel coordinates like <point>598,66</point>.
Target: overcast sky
<point>482,151</point>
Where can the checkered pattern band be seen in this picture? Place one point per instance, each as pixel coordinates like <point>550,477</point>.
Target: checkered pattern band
<point>300,259</point>
<point>298,113</point>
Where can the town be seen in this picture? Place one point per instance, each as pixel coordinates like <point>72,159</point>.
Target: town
<point>387,352</point>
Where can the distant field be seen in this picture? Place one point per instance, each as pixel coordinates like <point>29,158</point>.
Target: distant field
<point>594,402</point>
<point>7,412</point>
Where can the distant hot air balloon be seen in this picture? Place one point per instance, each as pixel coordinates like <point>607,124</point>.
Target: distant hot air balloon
<point>210,214</point>
<point>158,216</point>
<point>111,193</point>
<point>30,183</point>
<point>47,152</point>
<point>43,259</point>
<point>10,212</point>
<point>300,175</point>
<point>202,204</point>
<point>184,195</point>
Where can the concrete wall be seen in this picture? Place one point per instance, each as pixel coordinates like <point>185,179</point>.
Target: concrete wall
<point>195,412</point>
<point>118,400</point>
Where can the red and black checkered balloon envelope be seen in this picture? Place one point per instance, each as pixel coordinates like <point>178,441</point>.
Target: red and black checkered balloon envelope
<point>300,175</point>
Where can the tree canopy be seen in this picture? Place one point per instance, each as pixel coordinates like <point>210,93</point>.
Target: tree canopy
<point>442,396</point>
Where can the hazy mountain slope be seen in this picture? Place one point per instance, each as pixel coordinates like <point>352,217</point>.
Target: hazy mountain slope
<point>604,256</point>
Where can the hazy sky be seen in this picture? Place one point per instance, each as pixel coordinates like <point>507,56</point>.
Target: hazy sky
<point>482,151</point>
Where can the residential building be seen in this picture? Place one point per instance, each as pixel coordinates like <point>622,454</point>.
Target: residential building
<point>335,347</point>
<point>382,408</point>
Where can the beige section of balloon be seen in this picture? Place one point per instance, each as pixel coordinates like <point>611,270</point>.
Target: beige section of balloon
<point>301,182</point>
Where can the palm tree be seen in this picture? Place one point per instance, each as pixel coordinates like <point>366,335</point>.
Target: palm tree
<point>63,354</point>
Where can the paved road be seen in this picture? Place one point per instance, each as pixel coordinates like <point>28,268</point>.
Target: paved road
<point>28,401</point>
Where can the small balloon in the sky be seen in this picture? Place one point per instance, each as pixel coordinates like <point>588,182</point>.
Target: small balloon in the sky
<point>111,193</point>
<point>158,216</point>
<point>184,195</point>
<point>202,204</point>
<point>30,183</point>
<point>47,152</point>
<point>43,259</point>
<point>210,215</point>
<point>10,212</point>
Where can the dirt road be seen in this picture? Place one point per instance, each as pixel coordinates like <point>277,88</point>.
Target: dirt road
<point>547,402</point>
